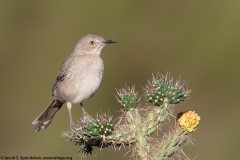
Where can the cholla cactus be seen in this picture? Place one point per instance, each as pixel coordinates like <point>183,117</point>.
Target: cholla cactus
<point>128,97</point>
<point>90,131</point>
<point>101,126</point>
<point>188,122</point>
<point>135,126</point>
<point>161,88</point>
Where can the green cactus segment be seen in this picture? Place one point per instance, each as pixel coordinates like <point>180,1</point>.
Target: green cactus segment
<point>99,127</point>
<point>167,148</point>
<point>120,137</point>
<point>162,88</point>
<point>128,98</point>
<point>96,130</point>
<point>142,148</point>
<point>156,116</point>
<point>91,132</point>
<point>78,139</point>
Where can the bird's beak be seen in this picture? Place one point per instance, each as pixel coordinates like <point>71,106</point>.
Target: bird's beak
<point>109,41</point>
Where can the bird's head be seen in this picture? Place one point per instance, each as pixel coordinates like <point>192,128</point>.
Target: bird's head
<point>91,44</point>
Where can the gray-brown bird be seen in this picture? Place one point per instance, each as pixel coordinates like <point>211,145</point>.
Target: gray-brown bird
<point>78,79</point>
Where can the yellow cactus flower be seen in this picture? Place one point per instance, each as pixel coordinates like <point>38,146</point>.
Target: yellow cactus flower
<point>189,121</point>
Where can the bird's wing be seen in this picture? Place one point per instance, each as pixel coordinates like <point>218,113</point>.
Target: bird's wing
<point>61,75</point>
<point>64,70</point>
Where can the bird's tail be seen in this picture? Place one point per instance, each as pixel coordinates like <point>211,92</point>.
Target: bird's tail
<point>46,117</point>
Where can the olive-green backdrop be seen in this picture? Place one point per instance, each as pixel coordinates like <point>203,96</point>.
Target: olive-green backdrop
<point>197,40</point>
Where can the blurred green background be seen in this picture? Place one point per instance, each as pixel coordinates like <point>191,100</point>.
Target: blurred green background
<point>197,40</point>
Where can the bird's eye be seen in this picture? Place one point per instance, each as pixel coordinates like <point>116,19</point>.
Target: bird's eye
<point>92,42</point>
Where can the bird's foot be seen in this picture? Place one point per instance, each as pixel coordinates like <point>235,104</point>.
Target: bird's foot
<point>73,127</point>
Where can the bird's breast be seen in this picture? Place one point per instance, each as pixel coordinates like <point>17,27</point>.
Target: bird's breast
<point>82,80</point>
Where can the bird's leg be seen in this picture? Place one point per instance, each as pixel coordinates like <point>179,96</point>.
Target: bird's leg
<point>72,127</point>
<point>84,112</point>
<point>69,106</point>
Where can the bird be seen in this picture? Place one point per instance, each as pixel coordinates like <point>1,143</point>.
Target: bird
<point>77,80</point>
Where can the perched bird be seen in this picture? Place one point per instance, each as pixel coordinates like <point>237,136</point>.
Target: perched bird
<point>78,79</point>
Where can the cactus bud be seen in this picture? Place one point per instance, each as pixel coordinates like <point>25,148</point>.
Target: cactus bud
<point>128,98</point>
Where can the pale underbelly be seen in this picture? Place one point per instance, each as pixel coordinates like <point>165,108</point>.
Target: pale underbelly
<point>78,89</point>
